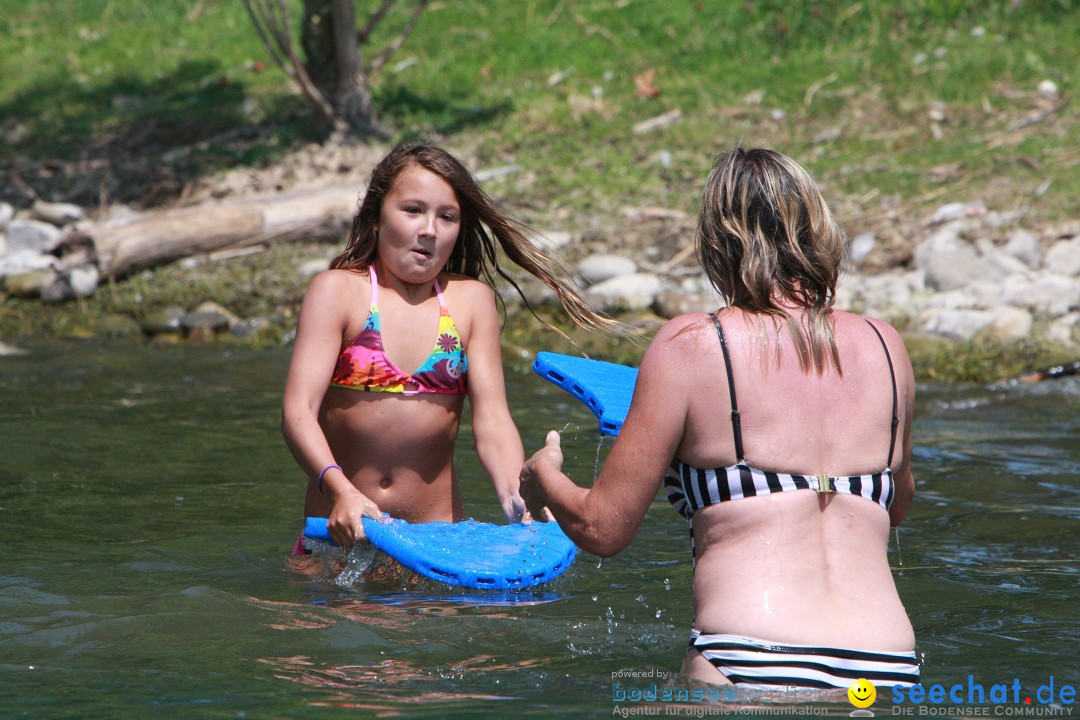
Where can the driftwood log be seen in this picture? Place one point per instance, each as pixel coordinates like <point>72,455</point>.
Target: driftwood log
<point>143,241</point>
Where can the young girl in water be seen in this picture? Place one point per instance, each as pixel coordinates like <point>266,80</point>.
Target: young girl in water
<point>395,335</point>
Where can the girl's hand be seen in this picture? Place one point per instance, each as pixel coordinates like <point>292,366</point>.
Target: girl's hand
<point>514,508</point>
<point>532,490</point>
<point>345,522</point>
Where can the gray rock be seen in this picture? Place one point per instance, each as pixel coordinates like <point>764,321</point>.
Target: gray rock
<point>551,240</point>
<point>165,320</point>
<point>890,295</point>
<point>1047,294</point>
<point>309,268</point>
<point>626,292</point>
<point>250,327</point>
<point>959,299</point>
<point>601,267</point>
<point>958,211</point>
<point>8,350</point>
<point>30,283</point>
<point>32,235</point>
<point>1065,330</point>
<point>58,214</point>
<point>208,315</point>
<point>1003,264</point>
<point>1063,257</point>
<point>862,245</point>
<point>7,214</point>
<point>115,325</point>
<point>949,261</point>
<point>672,303</point>
<point>84,280</point>
<point>57,291</point>
<point>23,260</point>
<point>535,293</point>
<point>955,324</point>
<point>1024,246</point>
<point>1011,324</point>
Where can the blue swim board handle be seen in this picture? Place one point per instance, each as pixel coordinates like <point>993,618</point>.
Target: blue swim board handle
<point>605,388</point>
<point>315,529</point>
<point>469,554</point>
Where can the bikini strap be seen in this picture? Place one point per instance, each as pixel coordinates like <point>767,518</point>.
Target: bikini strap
<point>736,422</point>
<point>374,285</point>
<point>895,407</point>
<point>438,292</point>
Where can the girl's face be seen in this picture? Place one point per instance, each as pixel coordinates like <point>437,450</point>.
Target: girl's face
<point>418,225</point>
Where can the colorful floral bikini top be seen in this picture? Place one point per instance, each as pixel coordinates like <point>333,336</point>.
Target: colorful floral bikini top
<point>363,365</point>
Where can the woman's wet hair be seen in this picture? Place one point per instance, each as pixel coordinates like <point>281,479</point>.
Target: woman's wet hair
<point>485,228</point>
<point>765,234</point>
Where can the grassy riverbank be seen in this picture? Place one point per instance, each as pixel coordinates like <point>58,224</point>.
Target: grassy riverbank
<point>896,107</point>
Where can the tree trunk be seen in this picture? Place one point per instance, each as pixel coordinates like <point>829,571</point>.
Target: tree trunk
<point>163,236</point>
<point>332,61</point>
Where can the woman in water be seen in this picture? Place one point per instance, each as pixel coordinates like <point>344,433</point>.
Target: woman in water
<point>780,429</point>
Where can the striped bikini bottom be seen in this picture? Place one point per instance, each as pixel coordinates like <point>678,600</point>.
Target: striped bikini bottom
<point>761,664</point>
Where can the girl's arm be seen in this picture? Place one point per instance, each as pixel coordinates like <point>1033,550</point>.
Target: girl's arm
<point>315,351</point>
<point>604,519</point>
<point>498,443</point>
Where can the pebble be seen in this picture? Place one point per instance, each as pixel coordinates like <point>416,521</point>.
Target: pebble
<point>1048,89</point>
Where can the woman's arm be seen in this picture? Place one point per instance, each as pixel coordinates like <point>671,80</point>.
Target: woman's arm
<point>498,443</point>
<point>318,342</point>
<point>604,519</point>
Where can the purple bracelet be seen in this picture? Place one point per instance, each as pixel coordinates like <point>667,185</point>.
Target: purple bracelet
<point>328,467</point>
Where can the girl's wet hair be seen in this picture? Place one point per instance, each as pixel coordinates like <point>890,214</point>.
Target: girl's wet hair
<point>765,234</point>
<point>483,224</point>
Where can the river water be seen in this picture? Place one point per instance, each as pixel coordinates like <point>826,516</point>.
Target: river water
<point>148,504</point>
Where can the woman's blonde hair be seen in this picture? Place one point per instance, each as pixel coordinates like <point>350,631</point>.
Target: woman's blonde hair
<point>765,234</point>
<point>483,224</point>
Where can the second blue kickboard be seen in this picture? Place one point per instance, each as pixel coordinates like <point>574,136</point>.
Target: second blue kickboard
<point>469,554</point>
<point>605,388</point>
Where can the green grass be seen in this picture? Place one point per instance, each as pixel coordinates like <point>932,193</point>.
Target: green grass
<point>78,72</point>
<point>186,88</point>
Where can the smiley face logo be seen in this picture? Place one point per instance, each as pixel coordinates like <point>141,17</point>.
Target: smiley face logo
<point>861,693</point>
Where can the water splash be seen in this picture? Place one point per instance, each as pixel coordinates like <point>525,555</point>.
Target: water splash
<point>596,461</point>
<point>899,554</point>
<point>358,560</point>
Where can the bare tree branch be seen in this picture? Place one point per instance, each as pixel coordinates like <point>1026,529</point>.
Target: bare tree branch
<point>264,33</point>
<point>323,109</point>
<point>397,42</point>
<point>373,21</point>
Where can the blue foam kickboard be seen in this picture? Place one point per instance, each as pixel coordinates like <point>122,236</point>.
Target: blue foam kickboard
<point>605,388</point>
<point>469,554</point>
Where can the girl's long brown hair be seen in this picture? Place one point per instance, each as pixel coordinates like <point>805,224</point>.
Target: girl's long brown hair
<point>765,232</point>
<point>483,224</point>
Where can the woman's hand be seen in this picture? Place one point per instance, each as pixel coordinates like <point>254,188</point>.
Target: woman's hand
<point>345,522</point>
<point>532,490</point>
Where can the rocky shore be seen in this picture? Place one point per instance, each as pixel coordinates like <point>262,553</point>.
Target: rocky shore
<point>973,271</point>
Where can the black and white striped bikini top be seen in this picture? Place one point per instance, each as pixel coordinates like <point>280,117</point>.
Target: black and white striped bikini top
<point>689,488</point>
